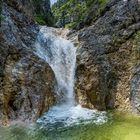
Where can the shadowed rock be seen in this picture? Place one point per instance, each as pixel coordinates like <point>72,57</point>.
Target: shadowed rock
<point>27,82</point>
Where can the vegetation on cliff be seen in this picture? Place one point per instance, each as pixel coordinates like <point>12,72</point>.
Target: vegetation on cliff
<point>42,12</point>
<point>68,13</point>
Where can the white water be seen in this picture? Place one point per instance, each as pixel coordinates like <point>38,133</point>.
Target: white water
<point>61,56</point>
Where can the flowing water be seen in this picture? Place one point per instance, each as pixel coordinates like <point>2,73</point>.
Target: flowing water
<point>120,126</point>
<point>60,54</point>
<point>67,120</point>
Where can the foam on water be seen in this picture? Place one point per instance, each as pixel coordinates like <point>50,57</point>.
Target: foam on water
<point>63,116</point>
<point>60,54</point>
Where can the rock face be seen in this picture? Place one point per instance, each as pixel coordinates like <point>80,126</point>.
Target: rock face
<point>27,83</point>
<point>37,10</point>
<point>108,58</point>
<point>24,6</point>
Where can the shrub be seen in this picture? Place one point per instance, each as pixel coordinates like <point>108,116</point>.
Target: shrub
<point>68,13</point>
<point>41,16</point>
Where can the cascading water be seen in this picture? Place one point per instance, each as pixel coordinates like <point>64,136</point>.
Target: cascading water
<point>60,54</point>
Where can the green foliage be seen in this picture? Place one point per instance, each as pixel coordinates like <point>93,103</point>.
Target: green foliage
<point>70,25</point>
<point>42,17</point>
<point>37,6</point>
<point>38,15</point>
<point>69,12</point>
<point>39,19</point>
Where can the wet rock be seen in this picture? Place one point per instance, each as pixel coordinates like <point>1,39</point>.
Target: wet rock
<point>27,83</point>
<point>105,57</point>
<point>27,86</point>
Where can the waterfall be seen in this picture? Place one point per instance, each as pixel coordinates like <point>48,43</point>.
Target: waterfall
<point>60,54</point>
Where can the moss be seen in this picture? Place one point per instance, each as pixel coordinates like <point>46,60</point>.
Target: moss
<point>137,35</point>
<point>70,25</point>
<point>39,19</point>
<point>103,2</point>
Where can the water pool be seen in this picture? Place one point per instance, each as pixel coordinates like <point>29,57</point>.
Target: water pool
<point>120,126</point>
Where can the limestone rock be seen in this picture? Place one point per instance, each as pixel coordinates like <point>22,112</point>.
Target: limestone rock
<point>27,83</point>
<point>105,58</point>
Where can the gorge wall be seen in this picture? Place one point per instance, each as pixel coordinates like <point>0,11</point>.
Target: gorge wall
<point>26,81</point>
<point>108,57</point>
